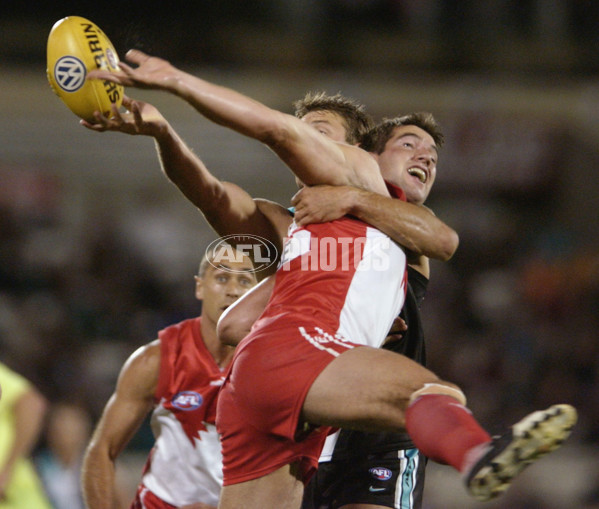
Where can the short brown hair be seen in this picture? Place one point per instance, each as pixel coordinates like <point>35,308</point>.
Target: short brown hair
<point>377,137</point>
<point>358,122</point>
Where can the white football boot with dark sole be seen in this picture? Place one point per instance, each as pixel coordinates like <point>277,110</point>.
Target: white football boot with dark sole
<point>507,455</point>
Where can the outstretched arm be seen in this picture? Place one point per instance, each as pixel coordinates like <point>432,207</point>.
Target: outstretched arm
<point>227,208</point>
<point>314,158</point>
<point>413,226</point>
<point>122,417</point>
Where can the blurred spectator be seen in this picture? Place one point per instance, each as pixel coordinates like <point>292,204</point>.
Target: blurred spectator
<point>22,411</point>
<point>75,294</point>
<point>59,462</point>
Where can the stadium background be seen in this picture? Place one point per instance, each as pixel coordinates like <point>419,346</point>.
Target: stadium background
<point>98,249</point>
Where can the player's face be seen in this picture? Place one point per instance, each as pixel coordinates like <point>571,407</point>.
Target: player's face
<point>328,123</point>
<point>222,285</point>
<point>409,161</point>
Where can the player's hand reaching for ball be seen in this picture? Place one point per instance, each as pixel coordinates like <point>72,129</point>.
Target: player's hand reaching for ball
<point>140,118</point>
<point>150,72</point>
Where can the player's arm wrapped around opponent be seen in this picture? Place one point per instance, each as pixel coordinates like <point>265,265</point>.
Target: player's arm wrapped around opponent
<point>414,227</point>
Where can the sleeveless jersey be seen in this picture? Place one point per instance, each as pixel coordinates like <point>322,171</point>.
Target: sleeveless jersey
<point>339,284</point>
<point>343,276</point>
<point>352,444</point>
<point>185,464</point>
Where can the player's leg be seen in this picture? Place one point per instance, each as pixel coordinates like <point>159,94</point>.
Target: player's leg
<point>375,390</point>
<point>370,388</point>
<point>281,489</point>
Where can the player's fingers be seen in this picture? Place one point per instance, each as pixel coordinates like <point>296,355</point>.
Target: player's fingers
<point>100,118</point>
<point>399,325</point>
<point>125,68</point>
<point>296,197</point>
<point>95,74</point>
<point>136,56</point>
<point>93,127</point>
<point>99,74</point>
<point>307,218</point>
<point>115,111</point>
<point>299,217</point>
<point>136,110</point>
<point>116,118</point>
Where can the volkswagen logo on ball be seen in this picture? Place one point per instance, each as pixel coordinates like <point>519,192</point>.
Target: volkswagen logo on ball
<point>70,73</point>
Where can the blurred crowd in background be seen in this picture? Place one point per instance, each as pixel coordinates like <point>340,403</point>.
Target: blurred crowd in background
<point>444,35</point>
<point>512,318</point>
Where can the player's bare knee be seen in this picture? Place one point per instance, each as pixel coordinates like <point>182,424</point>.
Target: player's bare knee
<point>440,387</point>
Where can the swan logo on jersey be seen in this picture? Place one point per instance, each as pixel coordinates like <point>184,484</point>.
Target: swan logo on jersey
<point>381,473</point>
<point>70,73</point>
<point>187,400</point>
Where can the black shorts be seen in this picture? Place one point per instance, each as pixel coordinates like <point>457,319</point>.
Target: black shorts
<point>392,479</point>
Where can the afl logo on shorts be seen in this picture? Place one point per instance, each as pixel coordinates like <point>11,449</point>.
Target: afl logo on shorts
<point>187,400</point>
<point>381,473</point>
<point>70,73</point>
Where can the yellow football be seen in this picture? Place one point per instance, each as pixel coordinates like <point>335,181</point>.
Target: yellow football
<point>75,47</point>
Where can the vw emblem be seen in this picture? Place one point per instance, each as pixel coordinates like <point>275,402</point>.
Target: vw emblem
<point>69,73</point>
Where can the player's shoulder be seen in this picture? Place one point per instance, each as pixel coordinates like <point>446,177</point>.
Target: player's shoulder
<point>144,360</point>
<point>140,372</point>
<point>270,206</point>
<point>278,215</point>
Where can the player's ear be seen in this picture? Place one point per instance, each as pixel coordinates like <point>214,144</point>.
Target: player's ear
<point>199,287</point>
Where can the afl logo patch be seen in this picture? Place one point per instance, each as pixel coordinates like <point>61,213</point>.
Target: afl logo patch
<point>70,73</point>
<point>381,473</point>
<point>187,400</point>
